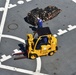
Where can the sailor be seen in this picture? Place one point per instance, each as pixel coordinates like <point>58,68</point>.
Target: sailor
<point>40,25</point>
<point>40,22</point>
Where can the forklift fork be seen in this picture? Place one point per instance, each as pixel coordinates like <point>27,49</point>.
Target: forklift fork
<point>20,53</point>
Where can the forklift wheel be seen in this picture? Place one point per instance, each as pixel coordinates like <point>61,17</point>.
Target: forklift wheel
<point>33,56</point>
<point>51,53</point>
<point>56,48</point>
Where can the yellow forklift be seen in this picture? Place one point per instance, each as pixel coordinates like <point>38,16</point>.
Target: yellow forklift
<point>45,44</point>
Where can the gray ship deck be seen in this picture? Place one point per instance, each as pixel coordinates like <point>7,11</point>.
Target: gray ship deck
<point>13,34</point>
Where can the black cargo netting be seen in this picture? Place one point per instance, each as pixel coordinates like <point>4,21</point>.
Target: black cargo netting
<point>45,14</point>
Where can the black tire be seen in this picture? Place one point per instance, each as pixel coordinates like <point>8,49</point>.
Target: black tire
<point>51,53</point>
<point>33,56</point>
<point>56,48</point>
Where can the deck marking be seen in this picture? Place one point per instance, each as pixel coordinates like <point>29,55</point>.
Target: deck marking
<point>20,2</point>
<point>74,1</point>
<point>28,0</point>
<point>4,18</point>
<point>71,27</point>
<point>54,35</point>
<point>38,68</point>
<point>13,37</point>
<point>37,73</point>
<point>17,51</point>
<point>12,6</point>
<point>20,70</point>
<point>1,8</point>
<point>4,58</point>
<point>61,31</point>
<point>15,69</point>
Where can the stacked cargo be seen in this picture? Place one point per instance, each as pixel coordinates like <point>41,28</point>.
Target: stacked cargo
<point>45,14</point>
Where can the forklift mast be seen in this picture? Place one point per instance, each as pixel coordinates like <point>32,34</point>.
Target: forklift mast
<point>30,42</point>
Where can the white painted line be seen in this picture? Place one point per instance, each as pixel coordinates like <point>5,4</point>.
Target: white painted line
<point>61,32</point>
<point>16,69</point>
<point>38,68</point>
<point>20,70</point>
<point>20,2</point>
<point>13,37</point>
<point>4,17</point>
<point>12,6</point>
<point>37,73</point>
<point>71,27</point>
<point>1,8</point>
<point>74,1</point>
<point>4,58</point>
<point>54,35</point>
<point>17,51</point>
<point>28,0</point>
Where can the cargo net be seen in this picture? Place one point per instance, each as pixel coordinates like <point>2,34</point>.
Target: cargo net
<point>45,14</point>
